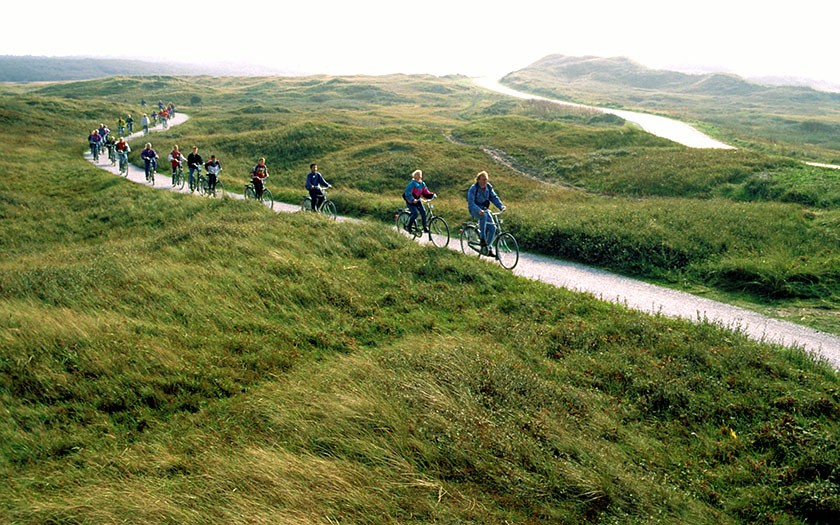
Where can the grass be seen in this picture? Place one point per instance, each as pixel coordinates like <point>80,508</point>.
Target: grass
<point>174,359</point>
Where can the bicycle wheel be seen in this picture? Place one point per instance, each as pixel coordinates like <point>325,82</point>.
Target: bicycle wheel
<point>507,250</point>
<point>470,240</point>
<point>268,198</point>
<point>306,204</point>
<point>328,209</point>
<point>203,185</point>
<point>152,177</point>
<point>220,190</point>
<point>179,180</point>
<point>439,232</point>
<point>250,193</point>
<point>124,168</point>
<point>402,220</point>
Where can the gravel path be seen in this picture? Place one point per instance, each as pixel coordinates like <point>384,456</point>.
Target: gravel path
<point>604,285</point>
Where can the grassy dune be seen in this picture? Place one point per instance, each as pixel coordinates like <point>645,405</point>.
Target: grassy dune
<point>169,359</point>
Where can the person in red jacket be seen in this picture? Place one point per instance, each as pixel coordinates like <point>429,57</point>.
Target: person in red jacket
<point>175,159</point>
<point>258,175</point>
<point>415,191</point>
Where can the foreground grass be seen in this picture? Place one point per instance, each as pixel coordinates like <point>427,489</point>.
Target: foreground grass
<point>171,359</point>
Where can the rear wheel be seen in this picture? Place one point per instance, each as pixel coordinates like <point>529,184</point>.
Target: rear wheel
<point>439,232</point>
<point>507,251</point>
<point>250,193</point>
<point>470,240</point>
<point>402,220</point>
<point>306,204</point>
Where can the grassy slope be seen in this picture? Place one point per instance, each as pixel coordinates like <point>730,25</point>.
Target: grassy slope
<point>170,359</point>
<point>794,121</point>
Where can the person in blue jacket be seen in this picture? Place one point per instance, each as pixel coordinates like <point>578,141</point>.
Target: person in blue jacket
<point>316,185</point>
<point>479,197</point>
<point>415,191</point>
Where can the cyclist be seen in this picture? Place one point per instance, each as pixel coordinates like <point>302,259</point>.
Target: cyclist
<point>194,162</point>
<point>104,131</point>
<point>316,185</point>
<point>145,123</point>
<point>123,150</point>
<point>176,159</point>
<point>95,141</point>
<point>213,167</point>
<point>415,191</point>
<point>130,122</point>
<point>121,126</point>
<point>149,157</point>
<point>258,175</point>
<point>110,142</point>
<point>479,197</point>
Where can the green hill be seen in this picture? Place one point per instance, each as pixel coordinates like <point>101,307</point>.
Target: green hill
<point>170,359</point>
<point>792,120</point>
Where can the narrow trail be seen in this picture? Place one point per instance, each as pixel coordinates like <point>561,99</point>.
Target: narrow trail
<point>577,277</point>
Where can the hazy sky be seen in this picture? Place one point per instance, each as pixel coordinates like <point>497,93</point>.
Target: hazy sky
<point>440,37</point>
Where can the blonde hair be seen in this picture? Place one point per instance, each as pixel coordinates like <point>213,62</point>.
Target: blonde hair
<point>482,172</point>
<point>417,172</point>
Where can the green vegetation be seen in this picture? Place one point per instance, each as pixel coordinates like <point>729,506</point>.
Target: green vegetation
<point>797,122</point>
<point>173,359</point>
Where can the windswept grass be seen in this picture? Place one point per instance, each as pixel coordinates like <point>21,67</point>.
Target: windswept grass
<point>165,358</point>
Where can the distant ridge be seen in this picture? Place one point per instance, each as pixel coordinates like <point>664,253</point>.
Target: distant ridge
<point>52,69</point>
<point>624,71</point>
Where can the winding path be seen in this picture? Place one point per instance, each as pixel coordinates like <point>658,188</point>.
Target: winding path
<point>604,285</point>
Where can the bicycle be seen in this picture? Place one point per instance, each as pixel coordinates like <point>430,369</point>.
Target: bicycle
<point>265,198</point>
<point>505,245</point>
<point>204,185</point>
<point>112,153</point>
<point>123,158</point>
<point>327,207</point>
<point>438,229</point>
<point>151,167</point>
<point>178,178</point>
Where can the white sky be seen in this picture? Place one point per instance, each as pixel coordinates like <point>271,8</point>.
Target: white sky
<point>471,37</point>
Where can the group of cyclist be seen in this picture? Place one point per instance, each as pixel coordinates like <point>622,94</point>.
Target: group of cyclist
<point>176,161</point>
<point>479,197</point>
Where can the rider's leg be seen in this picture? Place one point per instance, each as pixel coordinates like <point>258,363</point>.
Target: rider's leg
<point>486,228</point>
<point>422,211</point>
<point>412,216</point>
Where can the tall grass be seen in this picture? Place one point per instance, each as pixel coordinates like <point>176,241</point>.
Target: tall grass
<point>172,359</point>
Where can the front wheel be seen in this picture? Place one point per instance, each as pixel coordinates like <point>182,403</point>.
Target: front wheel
<point>203,185</point>
<point>178,180</point>
<point>439,232</point>
<point>470,240</point>
<point>328,209</point>
<point>268,198</point>
<point>507,251</point>
<point>124,168</point>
